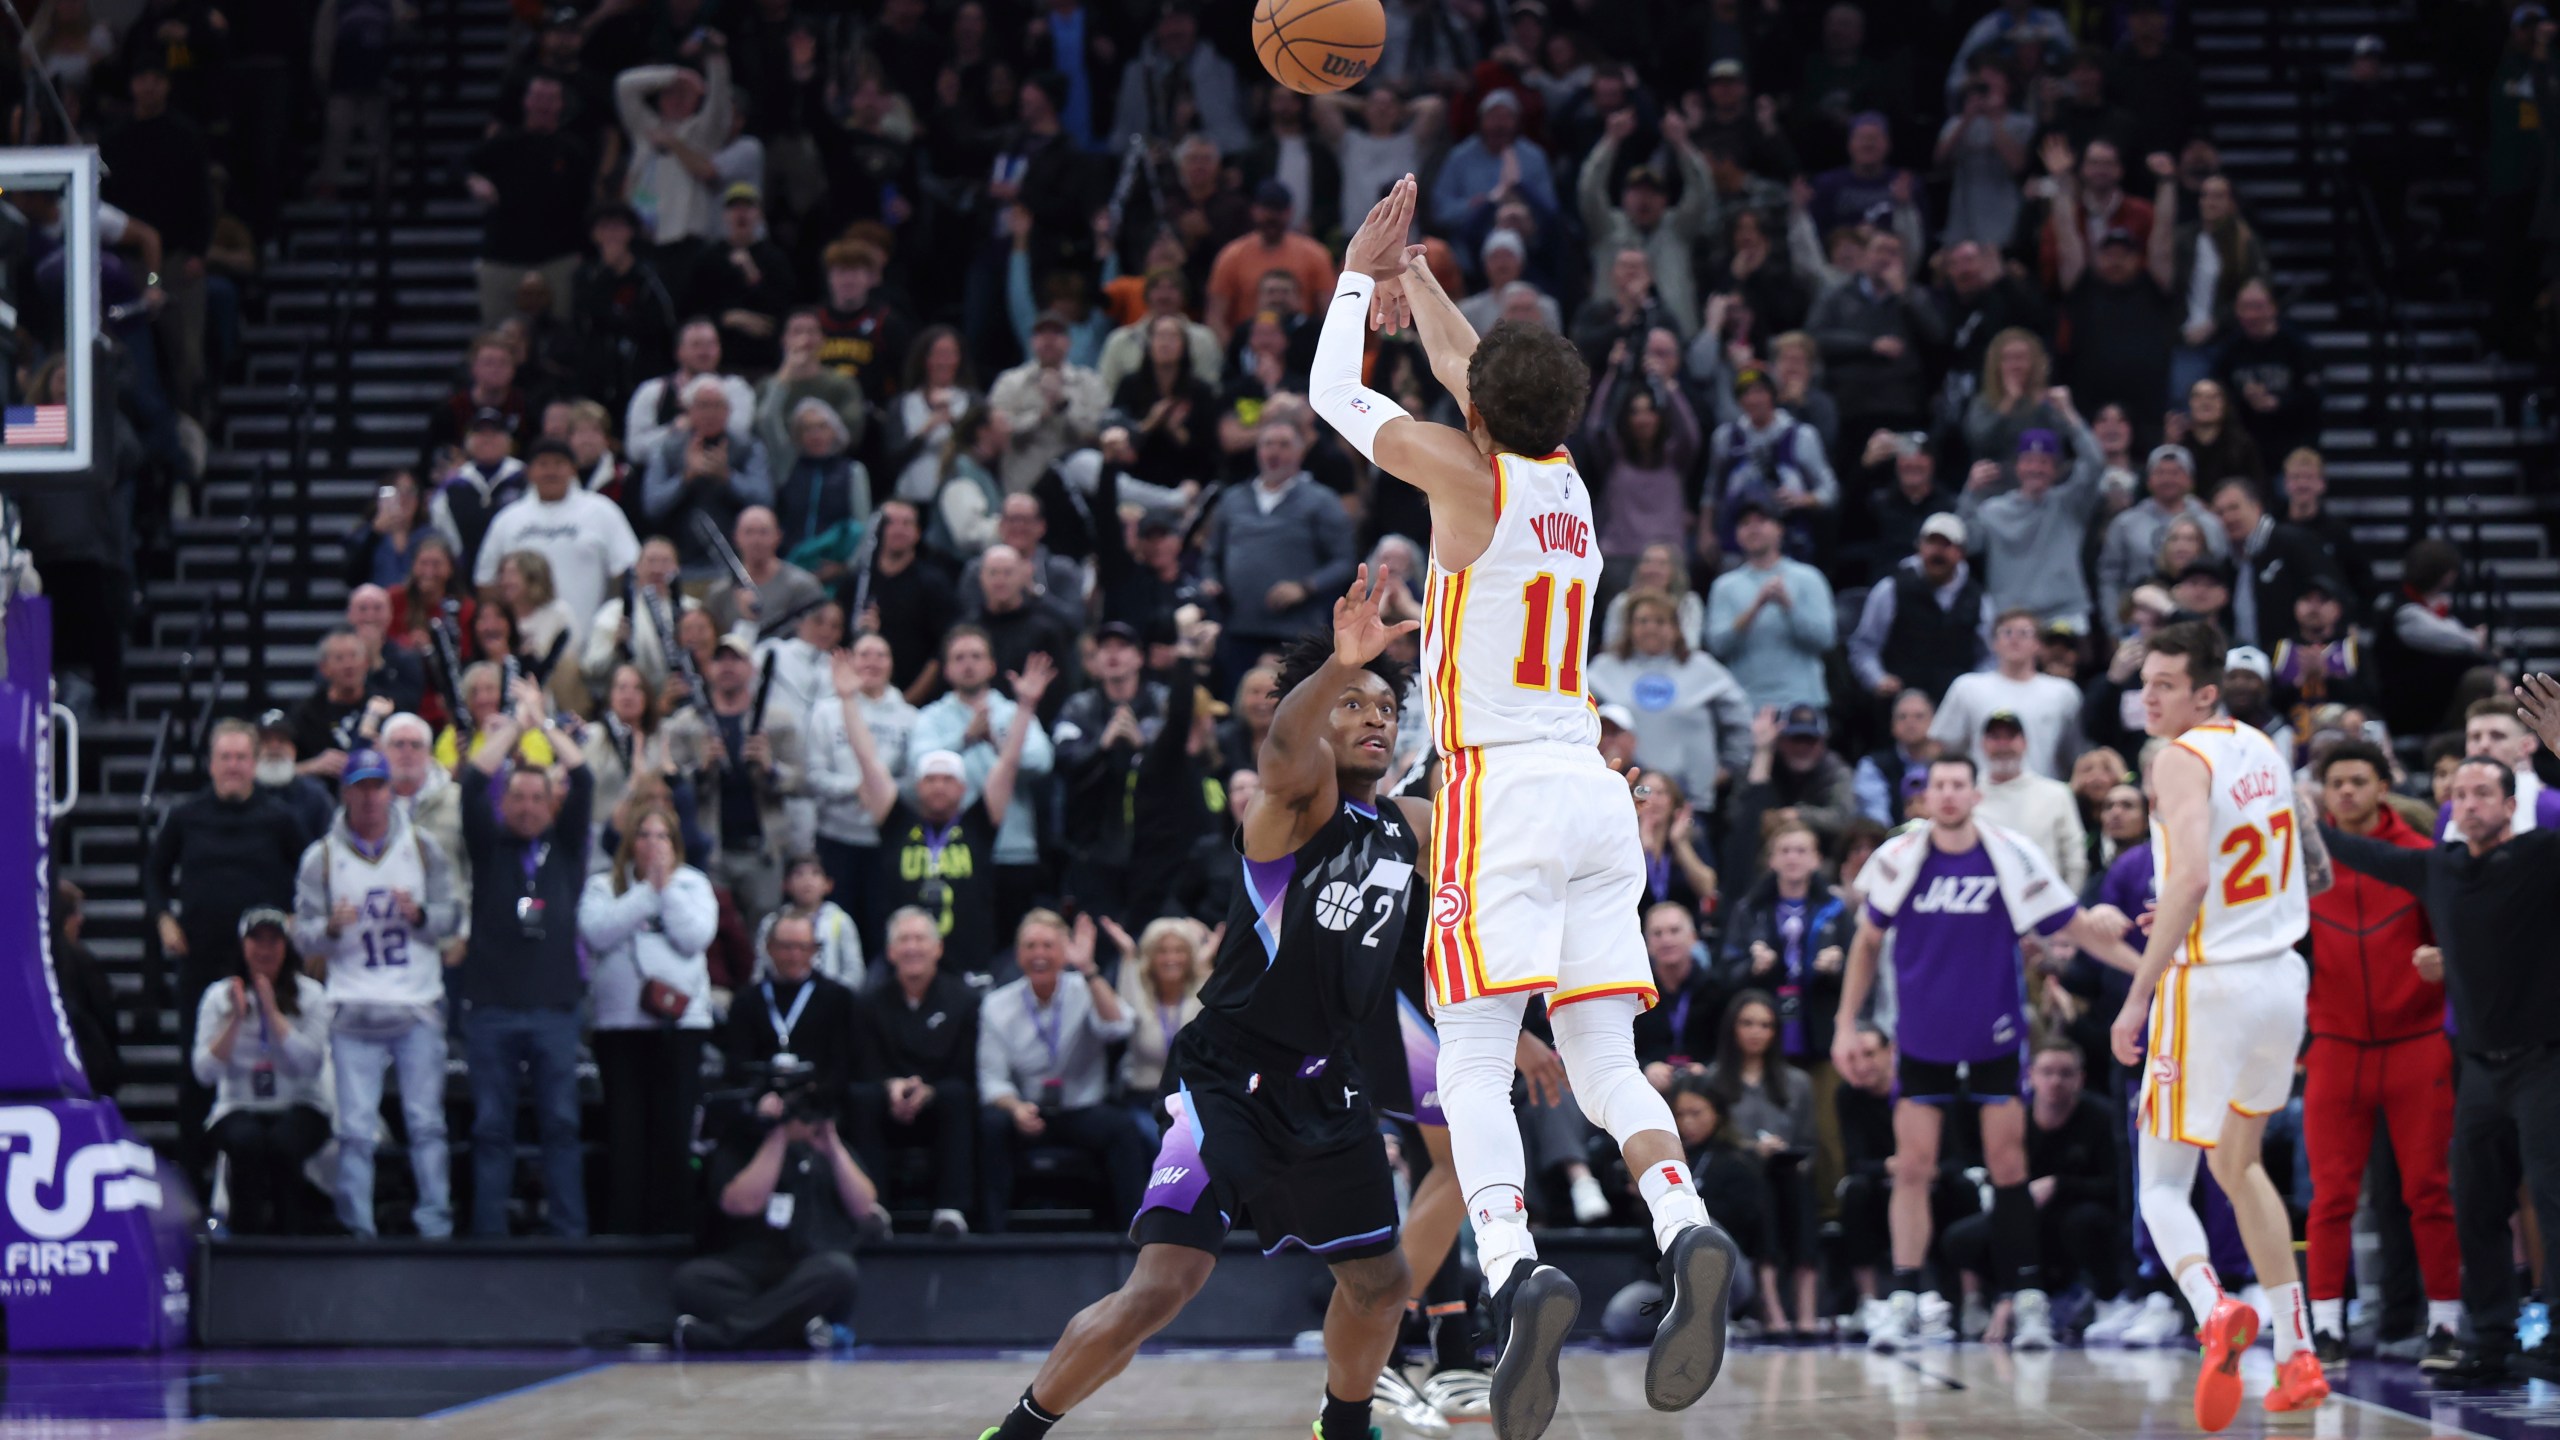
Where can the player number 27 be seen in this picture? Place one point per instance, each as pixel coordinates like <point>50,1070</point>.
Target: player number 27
<point>1538,597</point>
<point>2245,881</point>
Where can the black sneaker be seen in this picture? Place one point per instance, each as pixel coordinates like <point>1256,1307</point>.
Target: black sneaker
<point>1688,1343</point>
<point>2439,1354</point>
<point>2542,1362</point>
<point>1532,1314</point>
<point>2330,1351</point>
<point>2473,1368</point>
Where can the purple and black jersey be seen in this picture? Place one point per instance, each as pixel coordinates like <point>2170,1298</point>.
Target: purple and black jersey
<point>1959,981</point>
<point>1312,939</point>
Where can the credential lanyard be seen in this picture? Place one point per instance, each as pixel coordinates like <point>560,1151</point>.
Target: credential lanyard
<point>783,1024</point>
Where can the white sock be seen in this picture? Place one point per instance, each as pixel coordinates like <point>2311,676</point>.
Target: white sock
<point>1672,1195</point>
<point>2292,1324</point>
<point>2444,1315</point>
<point>1500,1217</point>
<point>2329,1317</point>
<point>2203,1290</point>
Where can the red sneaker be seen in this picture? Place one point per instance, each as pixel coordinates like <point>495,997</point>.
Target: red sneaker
<point>2226,1334</point>
<point>2299,1384</point>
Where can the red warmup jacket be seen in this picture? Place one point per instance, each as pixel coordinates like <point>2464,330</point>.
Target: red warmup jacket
<point>2363,988</point>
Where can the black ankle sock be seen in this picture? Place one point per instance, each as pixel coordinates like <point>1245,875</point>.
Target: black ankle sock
<point>1906,1280</point>
<point>1343,1419</point>
<point>1026,1420</point>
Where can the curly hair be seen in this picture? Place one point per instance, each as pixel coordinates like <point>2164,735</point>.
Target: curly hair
<point>1307,654</point>
<point>1529,384</point>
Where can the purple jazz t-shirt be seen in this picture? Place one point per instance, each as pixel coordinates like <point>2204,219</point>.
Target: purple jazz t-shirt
<point>1958,978</point>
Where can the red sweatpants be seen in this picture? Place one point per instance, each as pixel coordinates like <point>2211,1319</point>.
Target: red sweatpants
<point>2408,1085</point>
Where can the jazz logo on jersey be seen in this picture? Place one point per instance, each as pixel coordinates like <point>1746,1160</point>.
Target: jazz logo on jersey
<point>1957,895</point>
<point>1168,1175</point>
<point>1562,530</point>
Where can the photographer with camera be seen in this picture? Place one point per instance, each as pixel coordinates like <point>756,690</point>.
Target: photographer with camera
<point>796,1011</point>
<point>791,1206</point>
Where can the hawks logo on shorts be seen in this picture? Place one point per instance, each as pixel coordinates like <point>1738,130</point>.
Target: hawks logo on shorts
<point>1449,904</point>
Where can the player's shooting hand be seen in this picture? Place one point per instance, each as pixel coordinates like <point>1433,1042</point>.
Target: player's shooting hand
<point>1540,1066</point>
<point>1377,249</point>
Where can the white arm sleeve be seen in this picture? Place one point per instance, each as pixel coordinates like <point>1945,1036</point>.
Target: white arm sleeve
<point>1346,404</point>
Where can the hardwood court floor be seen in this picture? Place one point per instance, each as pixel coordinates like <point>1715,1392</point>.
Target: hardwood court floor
<point>1967,1394</point>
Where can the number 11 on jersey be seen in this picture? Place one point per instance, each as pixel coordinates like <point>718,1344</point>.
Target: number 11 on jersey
<point>1531,672</point>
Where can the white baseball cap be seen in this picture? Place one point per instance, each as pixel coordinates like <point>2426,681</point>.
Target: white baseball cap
<point>941,762</point>
<point>2249,658</point>
<point>1946,527</point>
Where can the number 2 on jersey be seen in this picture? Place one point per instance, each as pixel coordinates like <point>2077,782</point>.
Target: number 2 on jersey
<point>2244,882</point>
<point>1538,598</point>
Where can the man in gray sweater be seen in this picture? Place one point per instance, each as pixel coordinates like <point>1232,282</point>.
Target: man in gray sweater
<point>2029,540</point>
<point>2125,557</point>
<point>1279,549</point>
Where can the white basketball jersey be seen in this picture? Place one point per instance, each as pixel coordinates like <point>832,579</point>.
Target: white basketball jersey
<point>1503,640</point>
<point>2256,903</point>
<point>378,960</point>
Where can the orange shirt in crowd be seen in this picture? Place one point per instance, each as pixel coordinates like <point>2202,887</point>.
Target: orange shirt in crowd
<point>1235,281</point>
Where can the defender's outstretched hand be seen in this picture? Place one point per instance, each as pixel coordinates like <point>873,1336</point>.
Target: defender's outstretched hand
<point>2538,705</point>
<point>1360,633</point>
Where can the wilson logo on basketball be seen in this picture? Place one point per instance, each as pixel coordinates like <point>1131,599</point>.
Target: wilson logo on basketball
<point>1343,66</point>
<point>1449,905</point>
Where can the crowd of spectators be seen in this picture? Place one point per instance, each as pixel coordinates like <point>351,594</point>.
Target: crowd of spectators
<point>857,542</point>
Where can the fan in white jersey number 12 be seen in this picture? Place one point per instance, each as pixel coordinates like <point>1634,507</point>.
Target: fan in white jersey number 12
<point>1538,597</point>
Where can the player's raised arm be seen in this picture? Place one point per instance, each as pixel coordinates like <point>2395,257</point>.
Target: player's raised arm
<point>1300,788</point>
<point>1442,462</point>
<point>2179,779</point>
<point>1447,339</point>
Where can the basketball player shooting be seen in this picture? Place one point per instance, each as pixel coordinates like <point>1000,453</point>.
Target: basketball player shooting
<point>2222,991</point>
<point>1535,866</point>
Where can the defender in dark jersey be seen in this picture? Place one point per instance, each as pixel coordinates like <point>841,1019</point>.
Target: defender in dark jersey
<point>1267,1115</point>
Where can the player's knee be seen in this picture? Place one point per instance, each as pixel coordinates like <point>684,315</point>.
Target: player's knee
<point>1914,1166</point>
<point>1155,1294</point>
<point>2229,1164</point>
<point>1375,1285</point>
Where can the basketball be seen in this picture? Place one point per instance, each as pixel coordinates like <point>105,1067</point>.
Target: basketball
<point>1316,47</point>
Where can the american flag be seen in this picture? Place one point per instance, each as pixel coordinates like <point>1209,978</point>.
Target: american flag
<point>35,425</point>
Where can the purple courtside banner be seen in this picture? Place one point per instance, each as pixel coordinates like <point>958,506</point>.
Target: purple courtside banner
<point>93,1229</point>
<point>37,1056</point>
